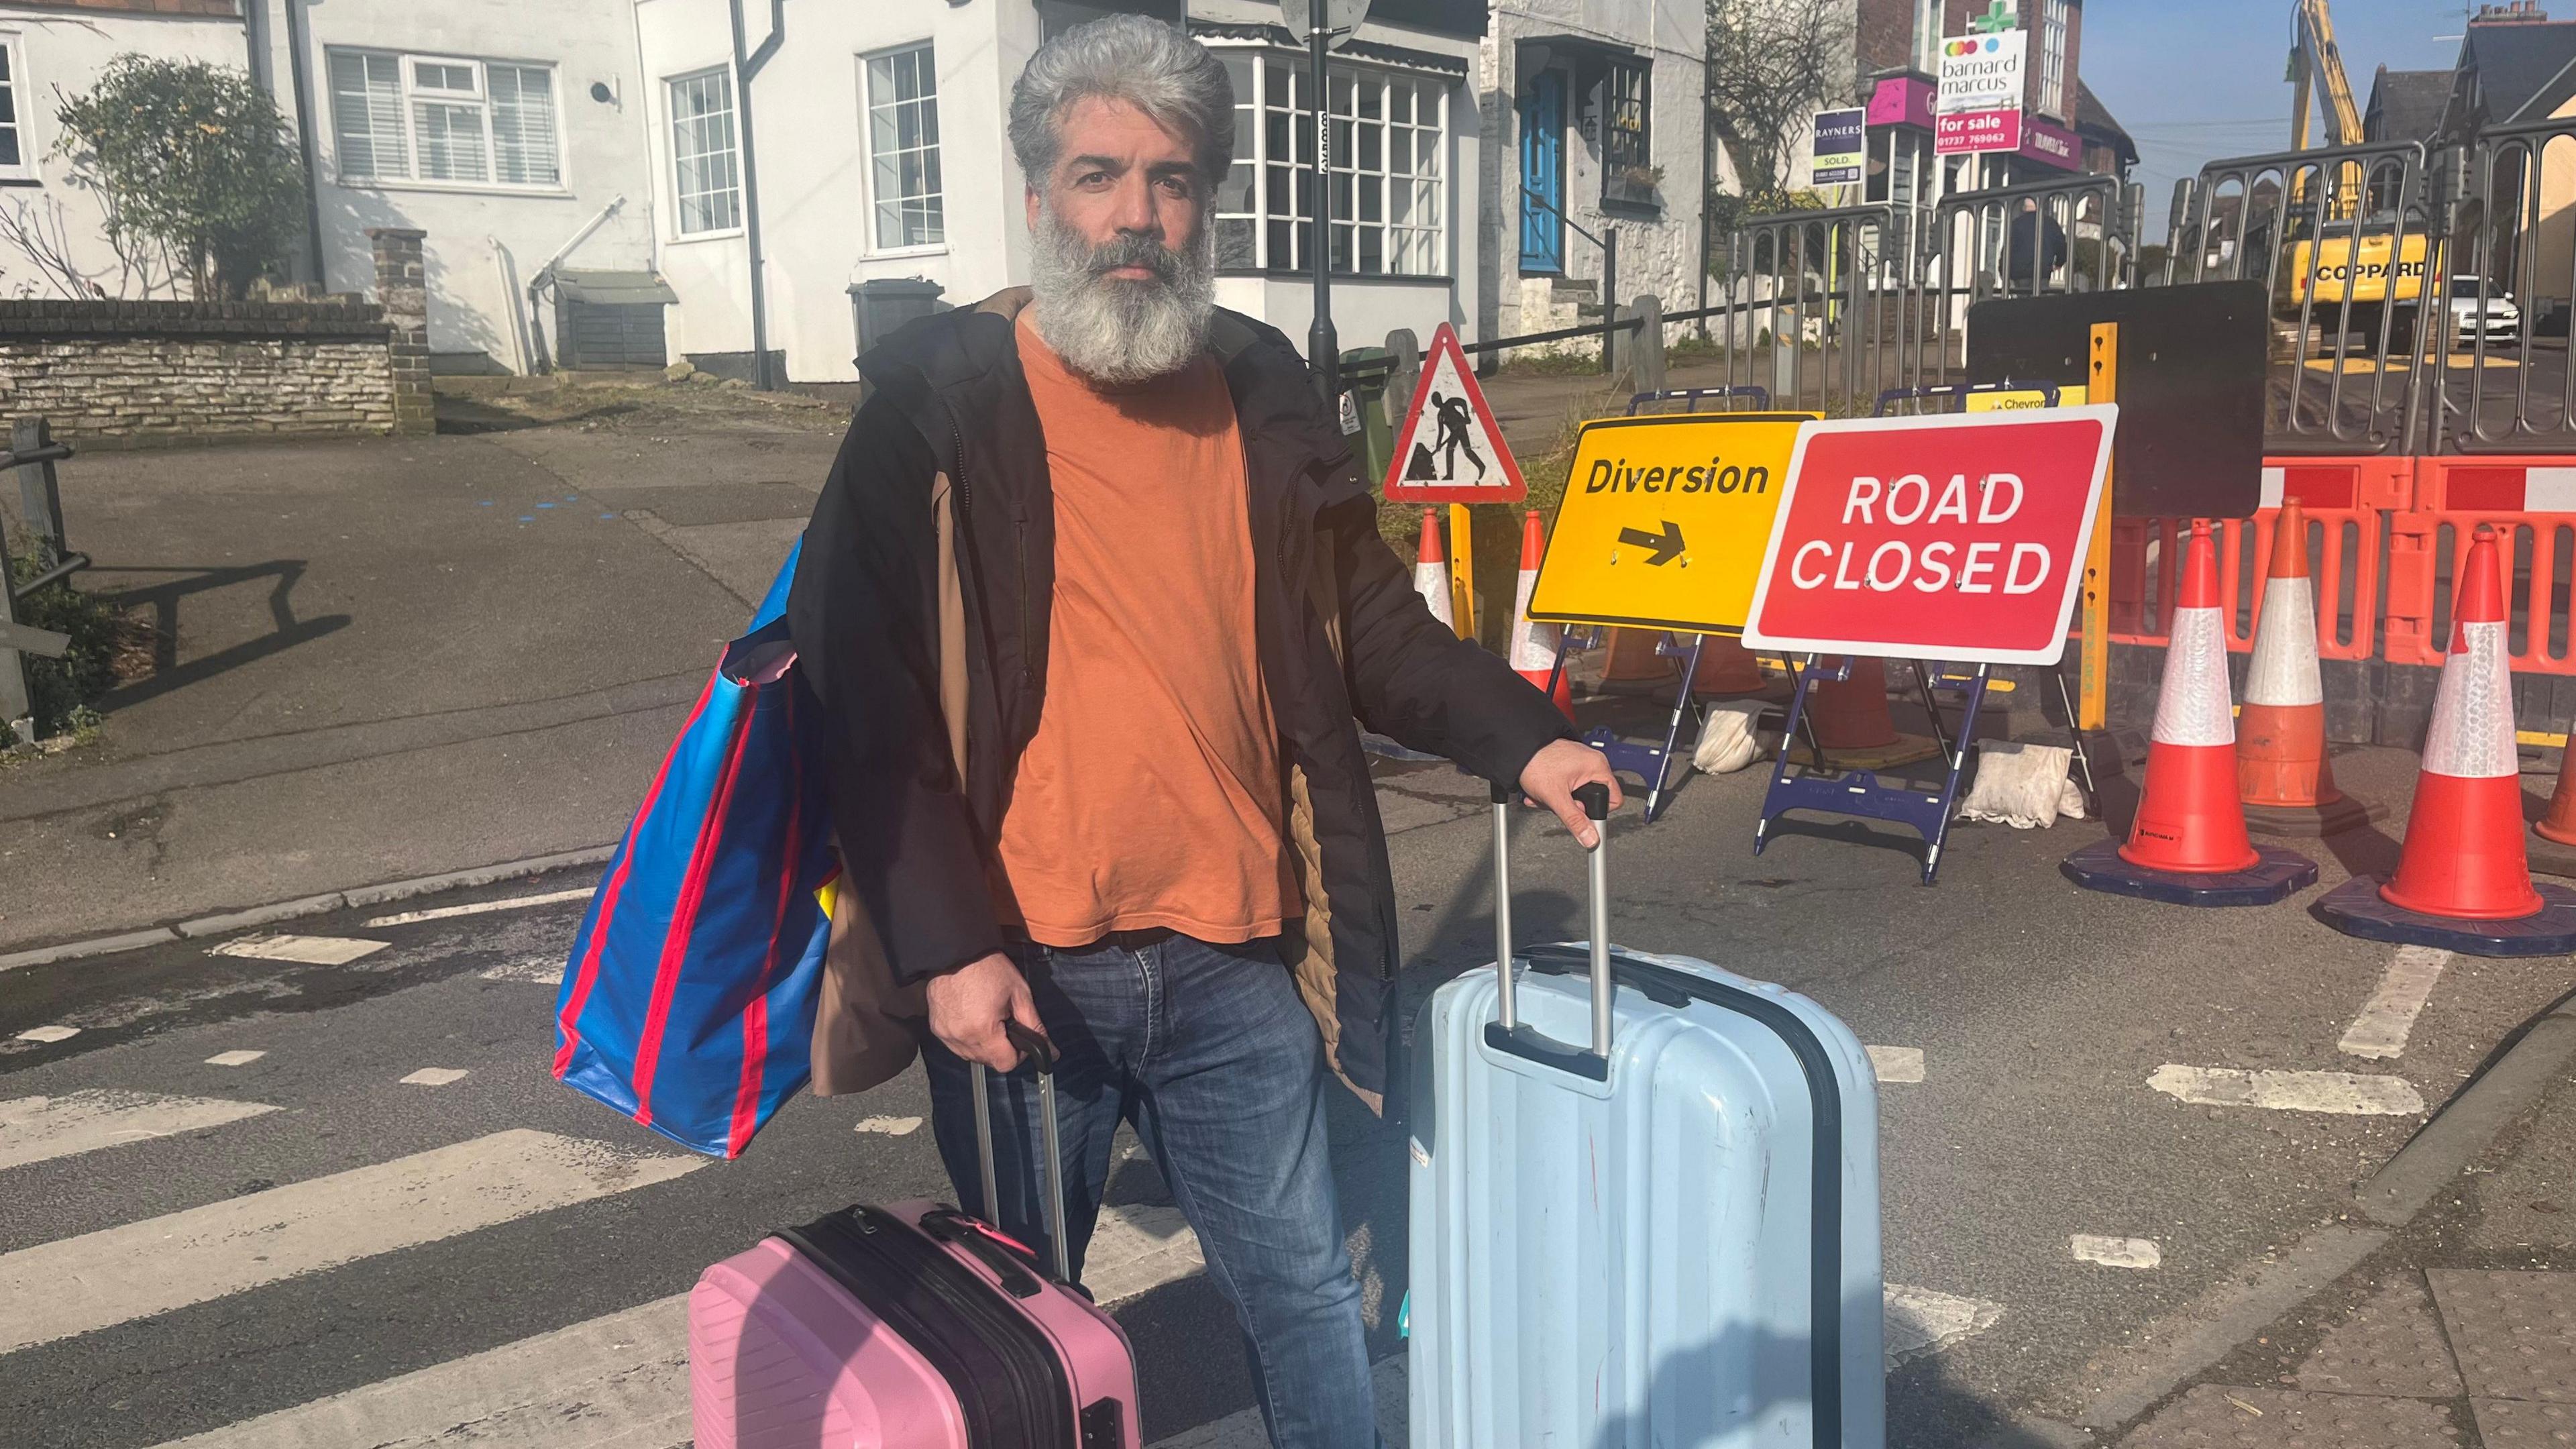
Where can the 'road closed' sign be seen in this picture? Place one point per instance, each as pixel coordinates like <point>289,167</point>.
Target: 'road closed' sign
<point>1957,538</point>
<point>1664,519</point>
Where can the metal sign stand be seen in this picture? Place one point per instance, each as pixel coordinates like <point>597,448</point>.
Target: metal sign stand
<point>33,453</point>
<point>1859,792</point>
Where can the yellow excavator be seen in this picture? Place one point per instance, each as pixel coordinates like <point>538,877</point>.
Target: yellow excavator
<point>2347,239</point>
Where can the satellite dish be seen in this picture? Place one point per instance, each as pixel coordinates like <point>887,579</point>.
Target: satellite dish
<point>1343,17</point>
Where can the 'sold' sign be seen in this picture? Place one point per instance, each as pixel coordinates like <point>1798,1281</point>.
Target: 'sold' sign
<point>1664,520</point>
<point>1955,538</point>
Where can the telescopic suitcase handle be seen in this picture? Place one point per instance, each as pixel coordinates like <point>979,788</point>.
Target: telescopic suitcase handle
<point>1051,1171</point>
<point>1509,1033</point>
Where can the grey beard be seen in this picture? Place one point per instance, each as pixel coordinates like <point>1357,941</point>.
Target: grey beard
<point>1113,330</point>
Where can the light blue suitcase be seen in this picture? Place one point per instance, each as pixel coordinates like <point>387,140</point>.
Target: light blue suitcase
<point>1666,1238</point>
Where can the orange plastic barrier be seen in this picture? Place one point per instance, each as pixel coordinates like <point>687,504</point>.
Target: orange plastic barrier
<point>2531,504</point>
<point>2345,500</point>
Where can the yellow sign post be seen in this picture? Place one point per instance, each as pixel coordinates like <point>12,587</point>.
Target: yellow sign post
<point>1665,519</point>
<point>2093,710</point>
<point>1462,571</point>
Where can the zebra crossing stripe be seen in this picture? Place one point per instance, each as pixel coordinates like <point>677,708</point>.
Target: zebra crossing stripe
<point>161,1264</point>
<point>620,1381</point>
<point>37,1129</point>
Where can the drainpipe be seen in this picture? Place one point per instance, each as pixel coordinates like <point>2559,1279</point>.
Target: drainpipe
<point>297,45</point>
<point>746,67</point>
<point>255,40</point>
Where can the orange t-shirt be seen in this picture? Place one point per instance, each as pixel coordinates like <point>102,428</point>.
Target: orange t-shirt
<point>1151,795</point>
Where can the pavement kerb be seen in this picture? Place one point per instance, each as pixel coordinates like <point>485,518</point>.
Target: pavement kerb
<point>287,910</point>
<point>2460,1133</point>
<point>2250,1299</point>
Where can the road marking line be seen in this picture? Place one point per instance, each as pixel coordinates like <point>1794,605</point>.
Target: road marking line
<point>2346,1093</point>
<point>434,1077</point>
<point>35,1129</point>
<point>2383,1026</point>
<point>303,950</point>
<point>890,1126</point>
<point>1922,1321</point>
<point>160,1264</point>
<point>619,1380</point>
<point>2115,1252</point>
<point>624,1379</point>
<point>539,970</point>
<point>478,908</point>
<point>1137,1249</point>
<point>49,1033</point>
<point>234,1058</point>
<point>1897,1064</point>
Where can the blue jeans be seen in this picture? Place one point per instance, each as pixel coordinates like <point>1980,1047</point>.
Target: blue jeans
<point>1211,1054</point>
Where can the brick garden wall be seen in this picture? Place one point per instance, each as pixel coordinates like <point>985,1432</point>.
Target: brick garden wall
<point>175,372</point>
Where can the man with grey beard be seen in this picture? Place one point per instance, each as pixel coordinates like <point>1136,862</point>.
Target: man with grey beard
<point>1092,603</point>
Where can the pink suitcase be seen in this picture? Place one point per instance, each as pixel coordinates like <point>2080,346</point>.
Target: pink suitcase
<point>909,1327</point>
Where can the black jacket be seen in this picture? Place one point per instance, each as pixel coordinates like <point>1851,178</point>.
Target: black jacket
<point>1342,635</point>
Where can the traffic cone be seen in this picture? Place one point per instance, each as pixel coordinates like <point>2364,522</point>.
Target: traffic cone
<point>2463,882</point>
<point>1431,571</point>
<point>2282,776</point>
<point>1853,714</point>
<point>2188,844</point>
<point>1853,725</point>
<point>2463,857</point>
<point>1534,644</point>
<point>1634,657</point>
<point>1726,667</point>
<point>2189,820</point>
<point>2560,823</point>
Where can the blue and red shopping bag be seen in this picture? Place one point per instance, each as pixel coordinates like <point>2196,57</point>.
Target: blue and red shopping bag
<point>688,1003</point>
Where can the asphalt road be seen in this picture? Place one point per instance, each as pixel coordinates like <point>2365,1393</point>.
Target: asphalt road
<point>305,1248</point>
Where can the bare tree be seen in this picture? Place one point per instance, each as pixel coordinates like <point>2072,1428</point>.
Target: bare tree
<point>39,232</point>
<point>1771,64</point>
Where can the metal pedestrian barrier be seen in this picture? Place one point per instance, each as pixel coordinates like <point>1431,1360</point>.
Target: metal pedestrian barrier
<point>32,455</point>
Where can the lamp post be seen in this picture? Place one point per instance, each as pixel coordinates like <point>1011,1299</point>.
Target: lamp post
<point>1323,347</point>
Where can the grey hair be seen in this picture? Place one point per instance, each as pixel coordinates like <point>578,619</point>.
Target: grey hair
<point>1150,65</point>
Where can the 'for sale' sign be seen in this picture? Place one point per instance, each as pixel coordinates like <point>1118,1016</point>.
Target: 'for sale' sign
<point>1951,538</point>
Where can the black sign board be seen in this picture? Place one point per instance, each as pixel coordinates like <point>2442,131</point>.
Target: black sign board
<point>2190,442</point>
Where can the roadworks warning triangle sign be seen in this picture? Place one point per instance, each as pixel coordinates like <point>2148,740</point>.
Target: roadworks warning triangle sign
<point>1450,450</point>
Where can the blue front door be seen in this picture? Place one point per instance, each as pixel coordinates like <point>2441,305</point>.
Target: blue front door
<point>1542,112</point>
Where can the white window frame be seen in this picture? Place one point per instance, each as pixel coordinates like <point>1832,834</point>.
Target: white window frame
<point>1271,67</point>
<point>671,138</point>
<point>410,93</point>
<point>2055,20</point>
<point>868,159</point>
<point>25,170</point>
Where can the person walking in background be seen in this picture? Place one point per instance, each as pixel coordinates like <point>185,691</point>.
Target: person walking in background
<point>2037,249</point>
<point>1091,602</point>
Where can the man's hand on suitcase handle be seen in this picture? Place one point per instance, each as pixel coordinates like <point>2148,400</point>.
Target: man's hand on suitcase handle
<point>969,1006</point>
<point>1550,779</point>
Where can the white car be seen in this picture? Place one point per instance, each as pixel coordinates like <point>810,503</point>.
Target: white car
<point>2498,320</point>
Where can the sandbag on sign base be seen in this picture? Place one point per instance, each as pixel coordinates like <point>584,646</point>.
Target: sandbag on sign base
<point>1730,740</point>
<point>2025,786</point>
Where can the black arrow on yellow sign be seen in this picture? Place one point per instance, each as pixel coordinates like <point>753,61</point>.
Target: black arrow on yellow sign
<point>1667,545</point>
